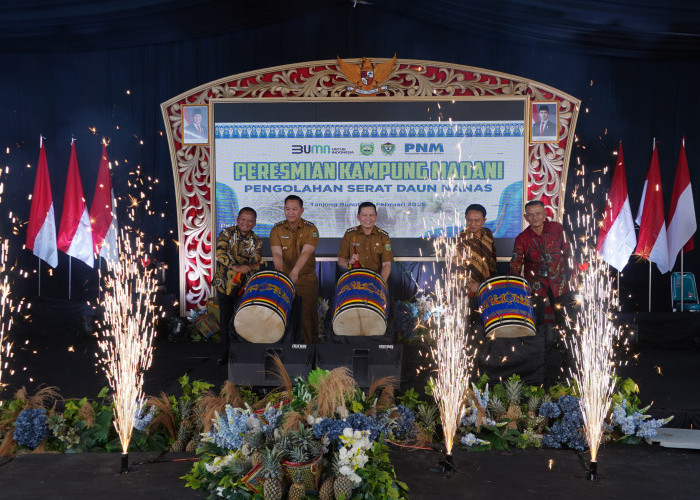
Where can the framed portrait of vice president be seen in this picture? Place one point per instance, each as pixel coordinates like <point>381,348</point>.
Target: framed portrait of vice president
<point>544,122</point>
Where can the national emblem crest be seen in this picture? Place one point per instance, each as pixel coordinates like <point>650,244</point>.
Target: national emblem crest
<point>367,78</point>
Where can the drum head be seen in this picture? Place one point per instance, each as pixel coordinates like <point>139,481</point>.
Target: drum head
<point>359,322</point>
<point>259,325</point>
<point>510,332</point>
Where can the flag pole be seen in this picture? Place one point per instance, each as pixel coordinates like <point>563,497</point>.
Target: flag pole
<point>682,279</point>
<point>649,286</point>
<point>619,304</point>
<point>39,276</point>
<point>70,272</point>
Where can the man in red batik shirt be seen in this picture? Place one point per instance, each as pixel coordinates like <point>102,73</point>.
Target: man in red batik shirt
<point>544,252</point>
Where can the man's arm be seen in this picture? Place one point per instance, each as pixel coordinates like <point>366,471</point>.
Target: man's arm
<point>386,271</point>
<point>277,259</point>
<point>344,252</point>
<point>306,252</point>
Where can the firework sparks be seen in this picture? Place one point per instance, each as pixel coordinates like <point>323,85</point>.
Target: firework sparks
<point>450,352</point>
<point>127,340</point>
<point>595,335</point>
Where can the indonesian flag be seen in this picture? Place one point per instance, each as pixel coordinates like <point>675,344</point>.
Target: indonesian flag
<point>652,244</point>
<point>616,238</point>
<point>41,230</point>
<point>75,234</point>
<point>682,224</point>
<point>102,213</point>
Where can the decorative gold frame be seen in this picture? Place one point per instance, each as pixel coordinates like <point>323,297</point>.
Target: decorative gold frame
<point>410,79</point>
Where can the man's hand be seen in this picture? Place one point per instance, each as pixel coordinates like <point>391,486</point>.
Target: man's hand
<point>294,275</point>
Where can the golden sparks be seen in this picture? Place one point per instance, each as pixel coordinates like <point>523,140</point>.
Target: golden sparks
<point>127,340</point>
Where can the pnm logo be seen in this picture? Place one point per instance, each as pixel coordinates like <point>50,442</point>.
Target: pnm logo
<point>367,148</point>
<point>309,149</point>
<point>426,147</point>
<point>388,148</point>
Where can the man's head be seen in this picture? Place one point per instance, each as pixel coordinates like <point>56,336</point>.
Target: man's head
<point>544,113</point>
<point>196,117</point>
<point>246,220</point>
<point>367,215</point>
<point>535,214</point>
<point>293,208</point>
<point>475,216</point>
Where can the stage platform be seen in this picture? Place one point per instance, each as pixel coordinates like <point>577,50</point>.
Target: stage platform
<point>61,354</point>
<point>625,471</point>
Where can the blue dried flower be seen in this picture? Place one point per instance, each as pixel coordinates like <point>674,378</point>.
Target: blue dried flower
<point>549,410</point>
<point>403,425</point>
<point>330,428</point>
<point>228,431</point>
<point>143,418</point>
<point>569,404</point>
<point>31,427</point>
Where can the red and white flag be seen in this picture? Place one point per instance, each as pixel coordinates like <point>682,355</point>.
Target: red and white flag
<point>652,243</point>
<point>41,230</point>
<point>103,213</point>
<point>681,216</point>
<point>75,233</point>
<point>616,238</point>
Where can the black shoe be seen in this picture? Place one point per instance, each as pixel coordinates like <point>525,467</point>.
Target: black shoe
<point>222,361</point>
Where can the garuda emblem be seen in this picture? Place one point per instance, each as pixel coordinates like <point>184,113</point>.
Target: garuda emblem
<point>367,78</point>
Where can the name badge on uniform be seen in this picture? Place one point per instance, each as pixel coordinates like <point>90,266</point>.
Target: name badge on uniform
<point>285,237</point>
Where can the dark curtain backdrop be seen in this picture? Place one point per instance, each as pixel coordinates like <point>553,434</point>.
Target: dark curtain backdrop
<point>110,74</point>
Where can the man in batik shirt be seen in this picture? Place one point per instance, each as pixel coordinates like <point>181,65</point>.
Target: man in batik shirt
<point>238,256</point>
<point>476,252</point>
<point>542,253</point>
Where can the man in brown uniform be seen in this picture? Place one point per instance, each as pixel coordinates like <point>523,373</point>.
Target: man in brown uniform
<point>293,243</point>
<point>366,245</point>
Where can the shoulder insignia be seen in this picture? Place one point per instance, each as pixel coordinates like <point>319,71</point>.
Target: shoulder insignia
<point>382,232</point>
<point>279,223</point>
<point>352,229</point>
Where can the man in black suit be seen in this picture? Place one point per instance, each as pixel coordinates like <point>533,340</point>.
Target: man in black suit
<point>196,131</point>
<point>544,127</point>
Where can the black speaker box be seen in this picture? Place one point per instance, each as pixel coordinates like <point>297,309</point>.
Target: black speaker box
<point>251,364</point>
<point>367,361</point>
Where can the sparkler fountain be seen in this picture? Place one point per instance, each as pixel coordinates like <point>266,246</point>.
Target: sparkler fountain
<point>450,352</point>
<point>7,304</point>
<point>127,340</point>
<point>595,334</point>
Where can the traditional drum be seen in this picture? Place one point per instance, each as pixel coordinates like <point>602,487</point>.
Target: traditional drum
<point>506,307</point>
<point>360,304</point>
<point>262,313</point>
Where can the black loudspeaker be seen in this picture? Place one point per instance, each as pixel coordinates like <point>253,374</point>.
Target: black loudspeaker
<point>367,361</point>
<point>525,356</point>
<point>251,364</point>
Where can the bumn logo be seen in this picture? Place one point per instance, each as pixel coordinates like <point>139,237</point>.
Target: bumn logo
<point>310,149</point>
<point>425,147</point>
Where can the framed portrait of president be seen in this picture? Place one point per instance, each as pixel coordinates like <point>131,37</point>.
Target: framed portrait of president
<point>544,121</point>
<point>195,124</point>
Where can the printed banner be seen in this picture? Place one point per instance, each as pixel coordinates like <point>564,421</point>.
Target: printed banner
<point>415,172</point>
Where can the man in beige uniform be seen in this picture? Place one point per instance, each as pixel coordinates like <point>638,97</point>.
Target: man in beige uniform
<point>366,245</point>
<point>293,243</point>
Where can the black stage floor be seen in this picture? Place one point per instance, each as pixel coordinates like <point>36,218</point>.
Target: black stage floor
<point>56,352</point>
<point>625,471</point>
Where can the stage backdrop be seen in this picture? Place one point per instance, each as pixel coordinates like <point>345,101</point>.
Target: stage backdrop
<point>420,139</point>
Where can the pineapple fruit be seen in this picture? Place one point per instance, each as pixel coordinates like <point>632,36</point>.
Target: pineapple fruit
<point>272,473</point>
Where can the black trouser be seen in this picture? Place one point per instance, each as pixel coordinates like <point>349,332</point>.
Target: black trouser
<point>567,305</point>
<point>227,306</point>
